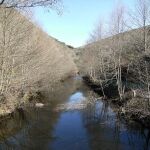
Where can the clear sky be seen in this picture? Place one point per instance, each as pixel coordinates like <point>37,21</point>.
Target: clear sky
<point>78,19</point>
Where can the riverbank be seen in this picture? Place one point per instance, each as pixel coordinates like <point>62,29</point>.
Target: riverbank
<point>131,107</point>
<point>16,101</point>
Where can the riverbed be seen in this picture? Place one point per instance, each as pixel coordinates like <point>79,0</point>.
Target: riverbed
<point>73,118</point>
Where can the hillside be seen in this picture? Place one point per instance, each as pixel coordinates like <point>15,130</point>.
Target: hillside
<point>129,44</point>
<point>30,58</point>
<point>118,68</point>
<point>35,55</point>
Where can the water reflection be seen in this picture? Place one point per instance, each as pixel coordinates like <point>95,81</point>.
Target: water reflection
<point>35,133</point>
<point>95,127</point>
<point>106,131</point>
<point>76,97</point>
<point>8,127</point>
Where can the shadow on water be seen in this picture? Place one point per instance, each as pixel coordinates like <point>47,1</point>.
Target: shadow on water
<point>94,127</point>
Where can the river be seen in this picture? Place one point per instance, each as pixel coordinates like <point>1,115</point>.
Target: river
<point>73,118</point>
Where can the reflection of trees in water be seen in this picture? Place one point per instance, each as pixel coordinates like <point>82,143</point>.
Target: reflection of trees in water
<point>138,133</point>
<point>11,124</point>
<point>147,137</point>
<point>33,129</point>
<point>95,113</point>
<point>9,128</point>
<point>37,131</point>
<point>98,119</point>
<point>106,131</point>
<point>36,134</point>
<point>62,91</point>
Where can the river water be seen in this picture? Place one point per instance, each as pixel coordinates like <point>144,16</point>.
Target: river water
<point>73,118</point>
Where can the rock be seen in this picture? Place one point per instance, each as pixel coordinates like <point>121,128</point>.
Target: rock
<point>39,105</point>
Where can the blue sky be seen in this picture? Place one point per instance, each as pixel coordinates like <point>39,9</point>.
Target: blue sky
<point>77,21</point>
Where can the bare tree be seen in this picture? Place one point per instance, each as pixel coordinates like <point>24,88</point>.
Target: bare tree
<point>117,20</point>
<point>141,68</point>
<point>14,49</point>
<point>14,32</point>
<point>105,65</point>
<point>118,28</point>
<point>28,3</point>
<point>97,33</point>
<point>140,18</point>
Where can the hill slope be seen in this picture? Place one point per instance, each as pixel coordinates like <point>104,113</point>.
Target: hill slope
<point>118,68</point>
<point>29,55</point>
